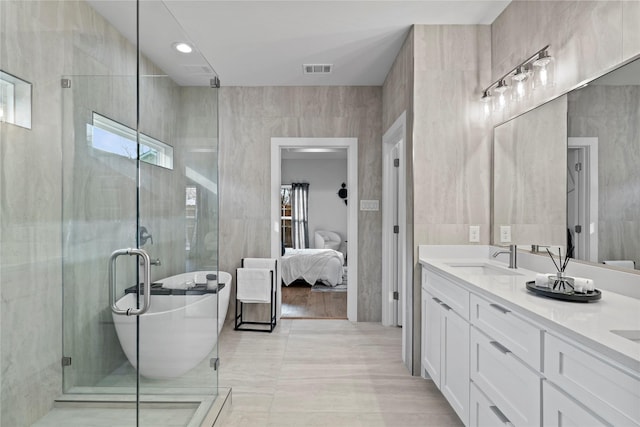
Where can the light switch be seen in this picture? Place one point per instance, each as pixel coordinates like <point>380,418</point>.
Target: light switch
<point>369,205</point>
<point>474,233</point>
<point>505,234</point>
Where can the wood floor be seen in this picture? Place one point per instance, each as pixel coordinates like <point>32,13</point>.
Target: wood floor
<point>325,373</point>
<point>299,302</point>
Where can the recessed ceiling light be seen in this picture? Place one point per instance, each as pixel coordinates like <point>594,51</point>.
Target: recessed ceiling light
<point>183,47</point>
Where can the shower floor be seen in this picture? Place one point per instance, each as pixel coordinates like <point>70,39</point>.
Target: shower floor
<point>185,401</point>
<point>115,410</point>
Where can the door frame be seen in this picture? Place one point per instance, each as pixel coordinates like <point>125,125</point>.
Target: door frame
<point>589,145</point>
<point>393,137</point>
<point>351,145</point>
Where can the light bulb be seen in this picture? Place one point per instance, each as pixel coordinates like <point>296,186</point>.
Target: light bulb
<point>544,69</point>
<point>520,77</point>
<point>486,103</point>
<point>502,90</point>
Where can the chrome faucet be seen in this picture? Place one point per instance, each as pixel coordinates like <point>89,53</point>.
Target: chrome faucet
<point>512,255</point>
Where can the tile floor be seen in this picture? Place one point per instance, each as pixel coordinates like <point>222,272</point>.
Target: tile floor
<point>325,373</point>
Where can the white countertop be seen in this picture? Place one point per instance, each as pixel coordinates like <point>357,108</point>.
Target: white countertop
<point>589,324</point>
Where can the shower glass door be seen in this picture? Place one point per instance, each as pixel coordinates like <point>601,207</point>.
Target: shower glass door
<point>140,171</point>
<point>99,214</point>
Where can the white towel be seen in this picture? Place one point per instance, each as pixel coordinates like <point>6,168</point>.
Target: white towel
<point>582,285</point>
<point>184,285</point>
<point>253,285</point>
<point>621,263</point>
<point>269,263</point>
<point>200,278</point>
<point>542,280</point>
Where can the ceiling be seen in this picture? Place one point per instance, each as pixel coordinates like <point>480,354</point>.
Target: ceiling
<point>265,43</point>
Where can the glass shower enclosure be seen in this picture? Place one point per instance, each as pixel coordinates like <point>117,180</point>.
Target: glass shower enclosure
<point>139,224</point>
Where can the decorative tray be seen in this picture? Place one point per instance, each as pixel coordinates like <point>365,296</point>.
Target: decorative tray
<point>565,296</point>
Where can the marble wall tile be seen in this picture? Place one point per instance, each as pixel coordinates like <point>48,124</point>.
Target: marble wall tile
<point>630,33</point>
<point>530,174</point>
<point>245,138</point>
<point>451,149</point>
<point>398,86</point>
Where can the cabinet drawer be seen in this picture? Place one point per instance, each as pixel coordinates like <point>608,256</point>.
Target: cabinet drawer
<point>522,338</point>
<point>482,412</point>
<point>509,383</point>
<point>451,294</point>
<point>562,411</point>
<point>593,382</point>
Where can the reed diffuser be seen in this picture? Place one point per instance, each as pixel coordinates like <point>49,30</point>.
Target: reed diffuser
<point>561,282</point>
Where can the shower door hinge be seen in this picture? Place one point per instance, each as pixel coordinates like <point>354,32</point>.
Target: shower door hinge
<point>396,163</point>
<point>396,295</point>
<point>396,229</point>
<point>214,363</point>
<point>65,83</point>
<point>66,361</point>
<point>215,82</point>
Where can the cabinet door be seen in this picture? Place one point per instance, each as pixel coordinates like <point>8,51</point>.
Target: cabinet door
<point>508,382</point>
<point>454,375</point>
<point>431,346</point>
<point>559,410</point>
<point>482,412</point>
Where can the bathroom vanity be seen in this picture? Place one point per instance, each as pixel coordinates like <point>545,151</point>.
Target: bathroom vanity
<point>504,356</point>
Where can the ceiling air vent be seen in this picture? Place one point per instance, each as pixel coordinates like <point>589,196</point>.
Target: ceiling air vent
<point>198,69</point>
<point>317,68</point>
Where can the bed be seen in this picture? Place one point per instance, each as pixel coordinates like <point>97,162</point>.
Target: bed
<point>312,265</point>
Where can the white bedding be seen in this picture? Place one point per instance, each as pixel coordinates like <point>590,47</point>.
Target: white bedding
<point>312,265</point>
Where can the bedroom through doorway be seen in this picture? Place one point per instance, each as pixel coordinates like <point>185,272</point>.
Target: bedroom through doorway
<point>313,224</point>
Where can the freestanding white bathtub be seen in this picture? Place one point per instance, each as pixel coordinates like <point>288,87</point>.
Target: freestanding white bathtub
<point>178,331</point>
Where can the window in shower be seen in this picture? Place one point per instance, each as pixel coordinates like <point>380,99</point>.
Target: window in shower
<point>15,100</point>
<point>191,215</point>
<point>112,137</point>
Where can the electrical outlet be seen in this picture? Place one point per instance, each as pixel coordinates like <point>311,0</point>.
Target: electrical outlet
<point>505,234</point>
<point>474,233</point>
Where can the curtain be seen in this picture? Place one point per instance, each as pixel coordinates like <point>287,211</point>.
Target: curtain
<point>300,215</point>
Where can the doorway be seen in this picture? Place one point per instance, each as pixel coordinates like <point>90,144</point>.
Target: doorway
<point>349,145</point>
<point>396,300</point>
<point>582,197</point>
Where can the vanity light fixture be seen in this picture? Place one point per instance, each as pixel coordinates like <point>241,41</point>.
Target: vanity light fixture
<point>183,47</point>
<point>502,90</point>
<point>486,103</point>
<point>536,72</point>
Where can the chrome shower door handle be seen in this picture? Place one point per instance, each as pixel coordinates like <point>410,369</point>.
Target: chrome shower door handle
<point>146,281</point>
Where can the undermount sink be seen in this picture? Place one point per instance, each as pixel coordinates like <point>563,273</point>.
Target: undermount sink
<point>484,269</point>
<point>628,334</point>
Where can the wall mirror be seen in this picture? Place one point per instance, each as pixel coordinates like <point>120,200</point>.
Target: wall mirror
<point>566,173</point>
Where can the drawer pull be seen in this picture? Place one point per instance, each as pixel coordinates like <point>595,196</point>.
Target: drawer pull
<point>500,347</point>
<point>445,306</point>
<point>500,415</point>
<point>500,308</point>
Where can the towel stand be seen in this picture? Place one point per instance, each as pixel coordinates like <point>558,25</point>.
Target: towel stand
<point>239,320</point>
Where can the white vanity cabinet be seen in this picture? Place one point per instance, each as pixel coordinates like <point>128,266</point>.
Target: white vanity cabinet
<point>505,361</point>
<point>445,339</point>
<point>503,357</point>
<point>591,384</point>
